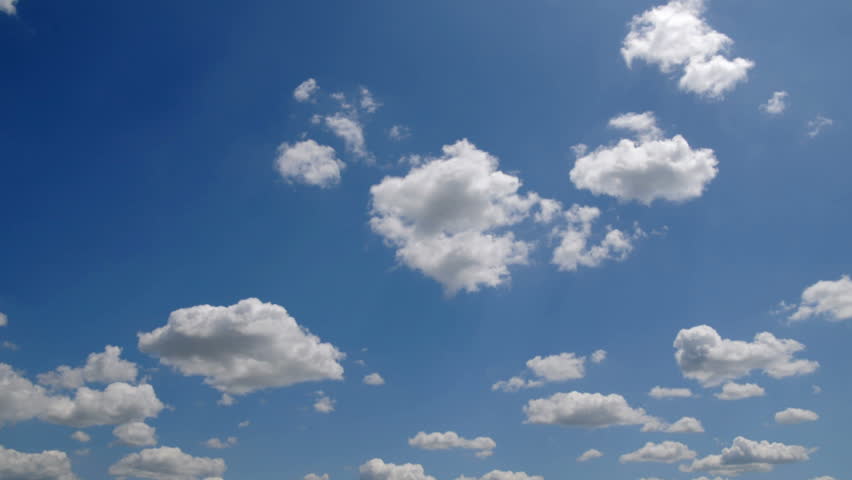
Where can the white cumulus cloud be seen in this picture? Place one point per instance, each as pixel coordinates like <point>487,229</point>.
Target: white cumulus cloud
<point>323,403</point>
<point>374,379</point>
<point>350,130</point>
<point>746,455</point>
<point>776,104</point>
<point>792,416</point>
<point>662,392</point>
<point>106,367</point>
<point>242,348</point>
<point>676,35</point>
<point>167,463</point>
<point>310,163</point>
<point>136,434</point>
<point>221,444</point>
<point>589,410</point>
<point>665,452</point>
<point>503,475</point>
<point>648,168</point>
<point>47,465</point>
<point>305,91</point>
<point>553,368</point>
<point>828,299</point>
<point>574,250</point>
<point>377,469</point>
<point>590,455</point>
<point>740,391</point>
<point>703,355</point>
<point>81,436</point>
<point>448,440</point>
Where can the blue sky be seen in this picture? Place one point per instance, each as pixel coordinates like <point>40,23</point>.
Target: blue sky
<point>157,159</point>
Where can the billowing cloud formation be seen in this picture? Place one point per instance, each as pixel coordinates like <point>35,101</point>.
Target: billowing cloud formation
<point>448,440</point>
<point>136,434</point>
<point>106,367</point>
<point>589,410</point>
<point>310,163</point>
<point>305,90</point>
<point>776,104</point>
<point>349,129</point>
<point>793,416</point>
<point>377,469</point>
<point>740,391</point>
<point>242,348</point>
<point>662,392</point>
<point>374,379</point>
<point>47,465</point>
<point>649,168</point>
<point>676,35</point>
<point>503,475</point>
<point>665,452</point>
<point>574,251</point>
<point>590,455</point>
<point>447,218</point>
<point>167,463</point>
<point>831,300</point>
<point>705,356</point>
<point>746,455</point>
<point>21,400</point>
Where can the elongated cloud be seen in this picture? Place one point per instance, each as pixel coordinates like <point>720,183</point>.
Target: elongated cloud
<point>242,348</point>
<point>746,455</point>
<point>665,452</point>
<point>449,440</point>
<point>828,299</point>
<point>792,416</point>
<point>377,469</point>
<point>167,463</point>
<point>47,465</point>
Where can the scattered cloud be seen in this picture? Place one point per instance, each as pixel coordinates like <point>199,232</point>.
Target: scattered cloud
<point>368,102</point>
<point>47,465</point>
<point>167,463</point>
<point>554,368</point>
<point>573,250</point>
<point>221,444</point>
<point>746,455</point>
<point>448,440</point>
<point>588,410</point>
<point>598,356</point>
<point>503,475</point>
<point>399,132</point>
<point>662,392</point>
<point>828,299</point>
<point>777,104</point>
<point>226,400</point>
<point>792,416</point>
<point>350,130</point>
<point>647,168</point>
<point>314,476</point>
<point>377,469</point>
<point>448,218</point>
<point>242,348</point>
<point>244,424</point>
<point>590,455</point>
<point>816,126</point>
<point>309,163</point>
<point>703,355</point>
<point>665,452</point>
<point>4,320</point>
<point>374,379</point>
<point>684,425</point>
<point>676,35</point>
<point>81,436</point>
<point>136,434</point>
<point>740,391</point>
<point>106,367</point>
<point>306,90</point>
<point>323,403</point>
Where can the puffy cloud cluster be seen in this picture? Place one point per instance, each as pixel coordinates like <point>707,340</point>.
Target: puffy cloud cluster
<point>776,104</point>
<point>377,469</point>
<point>590,455</point>
<point>703,355</point>
<point>106,367</point>
<point>676,35</point>
<point>118,403</point>
<point>310,163</point>
<point>740,391</point>
<point>647,168</point>
<point>662,392</point>
<point>167,463</point>
<point>746,455</point>
<point>305,91</point>
<point>503,475</point>
<point>136,434</point>
<point>444,441</point>
<point>553,368</point>
<point>589,410</point>
<point>448,218</point>
<point>793,416</point>
<point>242,348</point>
<point>665,452</point>
<point>574,250</point>
<point>829,299</point>
<point>47,465</point>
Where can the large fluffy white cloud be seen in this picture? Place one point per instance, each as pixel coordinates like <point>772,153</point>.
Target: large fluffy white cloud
<point>829,299</point>
<point>119,403</point>
<point>746,455</point>
<point>242,348</point>
<point>448,440</point>
<point>676,35</point>
<point>377,469</point>
<point>47,465</point>
<point>647,168</point>
<point>167,463</point>
<point>553,368</point>
<point>106,367</point>
<point>137,434</point>
<point>665,452</point>
<point>503,475</point>
<point>310,163</point>
<point>589,410</point>
<point>449,217</point>
<point>705,356</point>
<point>574,250</point>
<point>740,391</point>
<point>793,416</point>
